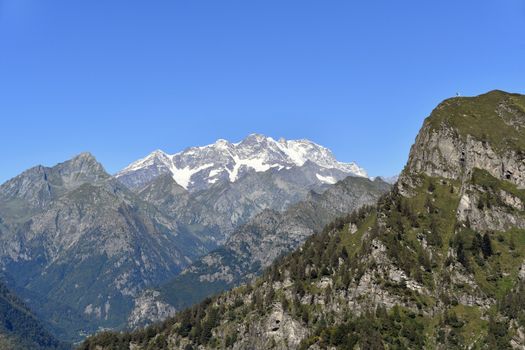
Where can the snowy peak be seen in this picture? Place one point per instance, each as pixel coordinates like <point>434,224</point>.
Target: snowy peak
<point>198,168</point>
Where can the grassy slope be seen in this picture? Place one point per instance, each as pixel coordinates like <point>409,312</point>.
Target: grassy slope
<point>422,238</point>
<point>476,116</point>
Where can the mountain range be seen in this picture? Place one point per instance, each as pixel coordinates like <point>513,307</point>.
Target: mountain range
<point>437,263</point>
<point>82,247</point>
<point>254,246</point>
<point>77,244</point>
<point>198,168</point>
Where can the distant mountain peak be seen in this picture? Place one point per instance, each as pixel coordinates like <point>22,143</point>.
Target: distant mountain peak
<point>83,159</point>
<point>198,168</point>
<point>40,184</point>
<point>84,155</point>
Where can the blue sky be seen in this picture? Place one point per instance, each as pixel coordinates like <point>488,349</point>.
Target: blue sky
<point>121,78</point>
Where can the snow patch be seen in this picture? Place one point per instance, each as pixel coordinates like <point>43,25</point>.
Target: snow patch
<point>255,163</point>
<point>183,176</point>
<point>326,179</point>
<point>215,172</point>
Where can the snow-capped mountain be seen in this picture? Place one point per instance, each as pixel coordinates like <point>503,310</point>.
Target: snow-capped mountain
<point>198,168</point>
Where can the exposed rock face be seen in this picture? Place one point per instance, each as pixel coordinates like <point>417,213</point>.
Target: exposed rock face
<point>277,330</point>
<point>36,187</point>
<point>437,264</point>
<point>88,246</point>
<point>270,234</point>
<point>446,155</point>
<point>216,212</point>
<point>453,141</point>
<point>500,217</point>
<point>149,307</point>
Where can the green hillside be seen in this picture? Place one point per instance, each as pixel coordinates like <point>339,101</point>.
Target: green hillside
<point>438,263</point>
<point>20,329</point>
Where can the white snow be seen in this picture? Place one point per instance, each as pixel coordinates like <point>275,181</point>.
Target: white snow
<point>295,153</point>
<point>222,144</point>
<point>255,163</point>
<point>233,158</point>
<point>326,179</point>
<point>215,172</point>
<point>147,161</point>
<point>183,176</point>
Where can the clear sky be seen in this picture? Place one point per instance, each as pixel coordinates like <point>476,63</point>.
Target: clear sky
<point>120,78</point>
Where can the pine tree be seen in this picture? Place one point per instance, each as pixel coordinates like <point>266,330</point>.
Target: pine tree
<point>486,246</point>
<point>477,243</point>
<point>433,237</point>
<point>344,254</point>
<point>185,323</point>
<point>512,243</point>
<point>462,258</point>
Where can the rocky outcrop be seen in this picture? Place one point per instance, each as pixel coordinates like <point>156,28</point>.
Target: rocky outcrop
<point>499,217</point>
<point>441,153</point>
<point>447,146</point>
<point>148,306</point>
<point>277,330</point>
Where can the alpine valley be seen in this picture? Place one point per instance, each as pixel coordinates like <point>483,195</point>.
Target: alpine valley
<point>85,251</point>
<point>438,262</point>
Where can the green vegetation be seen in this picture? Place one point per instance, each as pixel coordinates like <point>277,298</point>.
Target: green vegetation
<point>419,233</point>
<point>408,273</point>
<point>20,329</point>
<point>492,186</point>
<point>399,328</point>
<point>480,117</point>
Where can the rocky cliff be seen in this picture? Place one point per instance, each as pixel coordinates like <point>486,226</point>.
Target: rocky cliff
<point>438,263</point>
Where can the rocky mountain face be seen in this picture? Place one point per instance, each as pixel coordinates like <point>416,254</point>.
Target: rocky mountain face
<point>254,246</point>
<point>216,212</point>
<point>79,246</point>
<point>37,187</point>
<point>198,168</point>
<point>216,188</point>
<point>20,329</point>
<point>438,263</point>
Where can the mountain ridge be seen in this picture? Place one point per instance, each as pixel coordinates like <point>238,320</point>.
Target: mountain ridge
<point>197,168</point>
<point>438,263</point>
<point>80,246</point>
<point>254,245</point>
<point>73,235</point>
